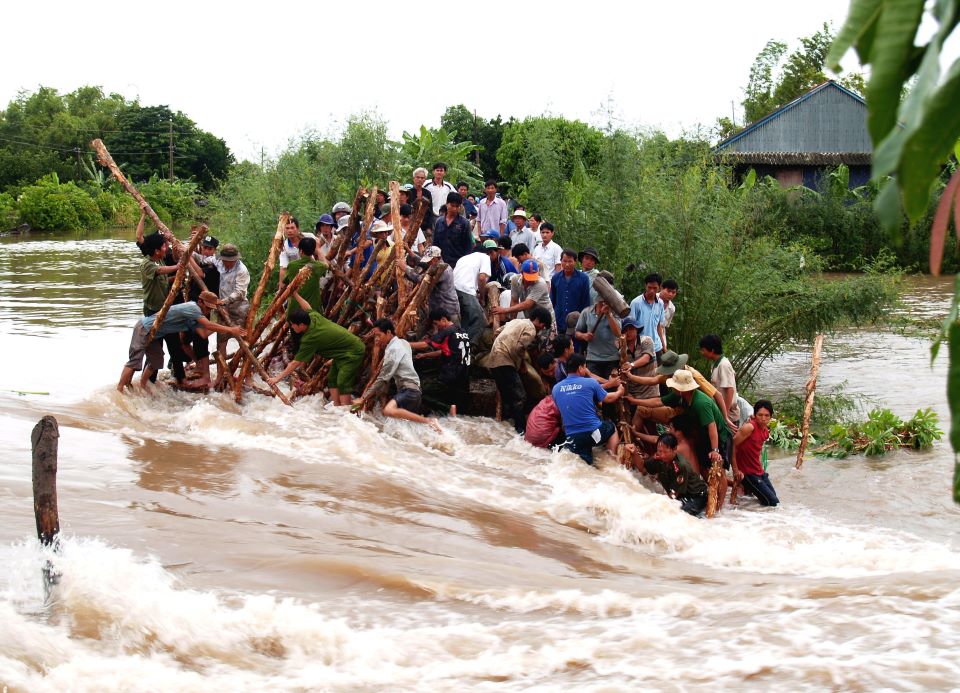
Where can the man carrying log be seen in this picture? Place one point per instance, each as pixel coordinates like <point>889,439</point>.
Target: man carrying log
<point>397,367</point>
<point>321,336</point>
<point>180,318</point>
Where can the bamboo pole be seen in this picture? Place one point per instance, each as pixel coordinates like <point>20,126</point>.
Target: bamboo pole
<point>268,266</point>
<point>177,281</point>
<point>716,488</point>
<point>808,405</point>
<point>251,358</point>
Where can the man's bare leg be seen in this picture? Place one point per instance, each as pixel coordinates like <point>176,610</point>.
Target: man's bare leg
<point>126,379</point>
<point>335,396</point>
<point>393,411</point>
<point>203,379</point>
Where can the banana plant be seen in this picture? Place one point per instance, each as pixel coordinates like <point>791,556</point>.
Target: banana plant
<point>914,134</point>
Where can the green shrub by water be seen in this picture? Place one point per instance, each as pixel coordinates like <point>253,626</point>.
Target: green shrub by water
<point>55,206</point>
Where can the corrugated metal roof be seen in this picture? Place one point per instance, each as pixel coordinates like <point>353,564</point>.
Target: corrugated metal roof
<point>796,158</point>
<point>827,120</point>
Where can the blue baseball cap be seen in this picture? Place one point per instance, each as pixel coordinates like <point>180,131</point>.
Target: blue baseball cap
<point>326,219</point>
<point>530,270</point>
<point>630,322</point>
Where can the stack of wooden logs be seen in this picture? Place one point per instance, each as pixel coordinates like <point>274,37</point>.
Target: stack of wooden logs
<point>353,297</point>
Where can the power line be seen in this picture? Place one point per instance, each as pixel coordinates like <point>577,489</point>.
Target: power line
<point>71,150</point>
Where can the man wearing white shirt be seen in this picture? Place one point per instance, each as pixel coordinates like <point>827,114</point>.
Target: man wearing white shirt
<point>547,253</point>
<point>469,278</point>
<point>438,187</point>
<point>520,233</point>
<point>533,223</point>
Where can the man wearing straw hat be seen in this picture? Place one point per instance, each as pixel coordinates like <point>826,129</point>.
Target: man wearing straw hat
<point>182,317</point>
<point>713,439</point>
<point>234,282</point>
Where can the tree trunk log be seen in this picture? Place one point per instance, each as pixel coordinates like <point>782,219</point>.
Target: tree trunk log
<point>45,442</point>
<point>398,239</point>
<point>268,266</point>
<point>808,405</point>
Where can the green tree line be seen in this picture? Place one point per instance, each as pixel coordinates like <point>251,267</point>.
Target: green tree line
<point>48,178</point>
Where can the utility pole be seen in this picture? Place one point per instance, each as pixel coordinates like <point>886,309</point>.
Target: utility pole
<point>262,154</point>
<point>733,114</point>
<point>476,153</point>
<point>79,164</point>
<point>170,149</point>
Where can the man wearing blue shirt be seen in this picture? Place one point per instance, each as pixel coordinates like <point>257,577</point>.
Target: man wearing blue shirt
<point>183,317</point>
<point>577,397</point>
<point>569,288</point>
<point>647,310</point>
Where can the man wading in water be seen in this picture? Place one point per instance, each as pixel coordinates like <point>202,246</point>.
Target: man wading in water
<point>180,318</point>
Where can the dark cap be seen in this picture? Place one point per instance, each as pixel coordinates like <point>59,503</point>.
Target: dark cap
<point>230,252</point>
<point>588,251</point>
<point>209,242</point>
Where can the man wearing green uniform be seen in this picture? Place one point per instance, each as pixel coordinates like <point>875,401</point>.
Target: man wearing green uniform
<point>310,289</point>
<point>321,336</point>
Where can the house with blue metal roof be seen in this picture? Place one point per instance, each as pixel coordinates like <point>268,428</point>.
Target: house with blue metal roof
<point>819,130</point>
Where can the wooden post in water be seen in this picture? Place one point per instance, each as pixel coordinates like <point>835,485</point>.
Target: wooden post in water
<point>808,405</point>
<point>44,445</point>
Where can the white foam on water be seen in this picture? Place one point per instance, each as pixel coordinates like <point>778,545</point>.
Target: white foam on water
<point>482,461</point>
<point>120,622</point>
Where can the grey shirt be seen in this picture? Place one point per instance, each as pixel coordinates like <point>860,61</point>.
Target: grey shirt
<point>538,292</point>
<point>398,366</point>
<point>603,346</point>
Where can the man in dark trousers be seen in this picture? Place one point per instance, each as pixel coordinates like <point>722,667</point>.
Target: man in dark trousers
<point>451,232</point>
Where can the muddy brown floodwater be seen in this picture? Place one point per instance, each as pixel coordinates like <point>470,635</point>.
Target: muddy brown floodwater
<point>214,547</point>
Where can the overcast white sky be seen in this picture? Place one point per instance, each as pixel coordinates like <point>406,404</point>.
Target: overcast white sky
<point>258,74</point>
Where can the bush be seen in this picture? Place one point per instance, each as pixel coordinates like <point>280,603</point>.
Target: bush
<point>117,208</point>
<point>8,211</point>
<point>54,206</point>
<point>173,202</point>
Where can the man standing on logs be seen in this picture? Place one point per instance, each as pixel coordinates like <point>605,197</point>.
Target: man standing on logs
<point>290,250</point>
<point>180,318</point>
<point>439,188</point>
<point>321,336</point>
<point>397,367</point>
<point>451,232</point>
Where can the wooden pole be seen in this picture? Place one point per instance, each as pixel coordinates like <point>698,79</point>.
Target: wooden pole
<point>44,440</point>
<point>105,160</point>
<point>177,281</point>
<point>247,356</point>
<point>268,266</point>
<point>245,348</point>
<point>808,405</point>
<point>397,239</point>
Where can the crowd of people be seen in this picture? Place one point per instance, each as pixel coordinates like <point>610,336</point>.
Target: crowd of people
<point>570,359</point>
